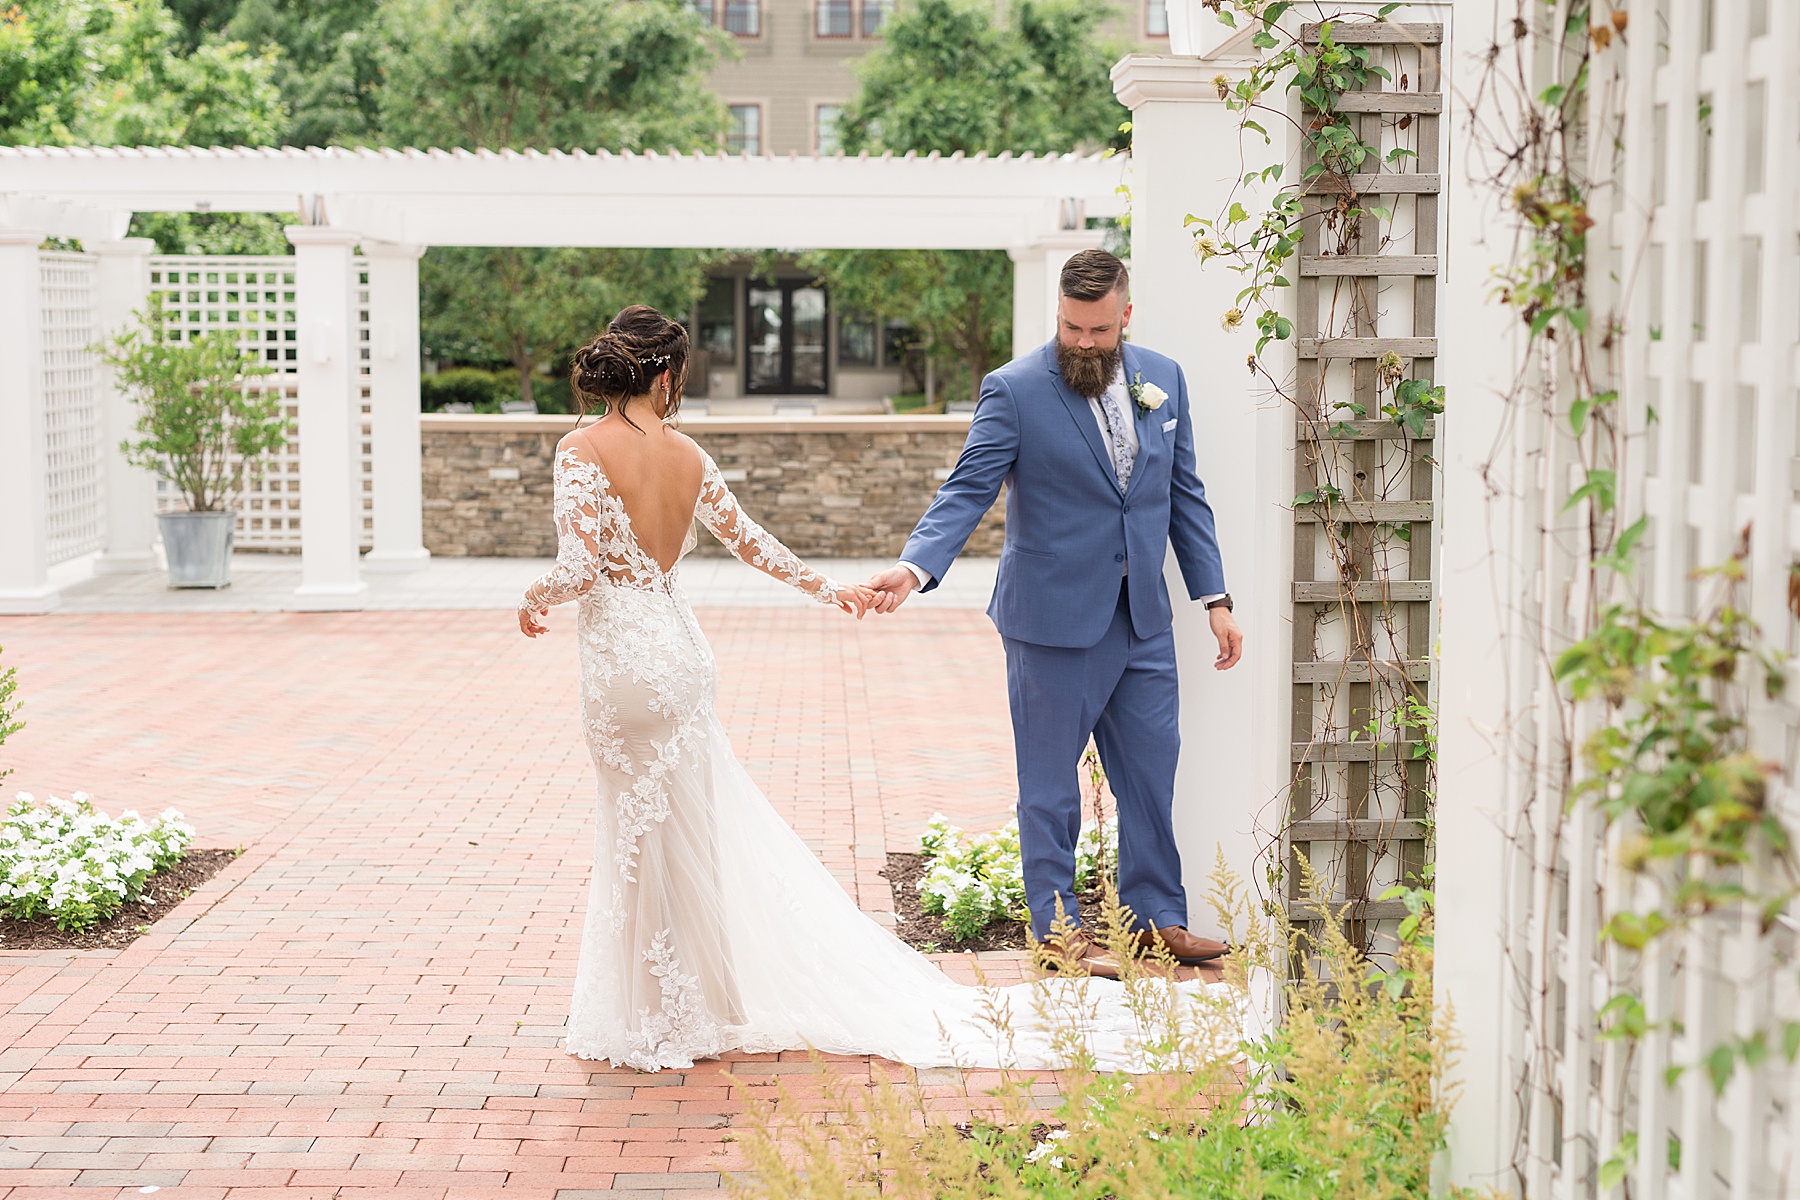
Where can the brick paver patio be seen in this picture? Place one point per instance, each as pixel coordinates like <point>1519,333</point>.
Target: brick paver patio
<point>368,1002</point>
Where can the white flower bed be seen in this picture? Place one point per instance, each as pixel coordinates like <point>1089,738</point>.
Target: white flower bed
<point>64,860</point>
<point>975,878</point>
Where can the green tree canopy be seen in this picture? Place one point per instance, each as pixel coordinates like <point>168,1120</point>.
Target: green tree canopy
<point>118,72</point>
<point>328,62</point>
<point>548,74</point>
<point>949,76</point>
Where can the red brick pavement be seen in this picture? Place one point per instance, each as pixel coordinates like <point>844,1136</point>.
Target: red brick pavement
<point>368,1001</point>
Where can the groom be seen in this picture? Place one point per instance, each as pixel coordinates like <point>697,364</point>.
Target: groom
<point>1095,441</point>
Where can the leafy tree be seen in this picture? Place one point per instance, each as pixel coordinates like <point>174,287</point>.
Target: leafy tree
<point>328,66</point>
<point>214,233</point>
<point>949,76</point>
<point>201,424</point>
<point>548,74</point>
<point>526,307</point>
<point>564,74</point>
<point>958,301</point>
<point>117,72</point>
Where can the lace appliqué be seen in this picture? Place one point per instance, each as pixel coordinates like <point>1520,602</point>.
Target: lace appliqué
<point>681,1029</point>
<point>720,512</point>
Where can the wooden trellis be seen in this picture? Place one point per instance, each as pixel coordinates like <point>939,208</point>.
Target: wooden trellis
<point>1362,584</point>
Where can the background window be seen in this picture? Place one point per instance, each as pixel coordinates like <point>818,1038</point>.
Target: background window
<point>833,18</point>
<point>1156,18</point>
<point>875,15</point>
<point>825,128</point>
<point>744,135</point>
<point>856,340</point>
<point>743,17</point>
<point>718,319</point>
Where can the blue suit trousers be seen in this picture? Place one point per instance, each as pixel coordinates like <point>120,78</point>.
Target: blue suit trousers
<point>1124,693</point>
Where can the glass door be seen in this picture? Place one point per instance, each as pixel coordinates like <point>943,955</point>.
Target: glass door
<point>786,323</point>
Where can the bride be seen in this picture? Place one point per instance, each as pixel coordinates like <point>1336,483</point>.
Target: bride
<point>710,926</point>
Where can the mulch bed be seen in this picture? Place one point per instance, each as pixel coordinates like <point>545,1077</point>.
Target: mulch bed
<point>167,888</point>
<point>922,931</point>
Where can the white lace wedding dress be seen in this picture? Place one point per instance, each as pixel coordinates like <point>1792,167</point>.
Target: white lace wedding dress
<point>710,925</point>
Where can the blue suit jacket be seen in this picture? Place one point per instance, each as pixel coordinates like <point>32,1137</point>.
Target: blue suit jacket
<point>1070,531</point>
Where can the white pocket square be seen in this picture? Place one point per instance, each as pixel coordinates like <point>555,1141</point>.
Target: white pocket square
<point>1169,424</point>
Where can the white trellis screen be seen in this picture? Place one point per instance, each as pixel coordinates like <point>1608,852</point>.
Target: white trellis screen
<point>1696,248</point>
<point>71,407</point>
<point>253,297</point>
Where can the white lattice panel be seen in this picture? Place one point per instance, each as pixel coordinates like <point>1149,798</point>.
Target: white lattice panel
<point>1699,237</point>
<point>71,407</point>
<point>253,298</point>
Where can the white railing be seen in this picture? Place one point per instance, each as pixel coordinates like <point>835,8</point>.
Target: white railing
<point>1696,248</point>
<point>73,453</point>
<point>253,297</point>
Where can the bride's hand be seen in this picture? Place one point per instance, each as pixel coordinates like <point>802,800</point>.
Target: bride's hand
<point>528,624</point>
<point>855,599</point>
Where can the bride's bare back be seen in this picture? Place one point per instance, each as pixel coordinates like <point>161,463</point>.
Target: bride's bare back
<point>656,474</point>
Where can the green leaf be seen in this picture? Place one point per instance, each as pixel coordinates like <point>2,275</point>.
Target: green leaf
<point>1599,487</point>
<point>1790,1040</point>
<point>1382,13</point>
<point>1262,39</point>
<point>1721,1061</point>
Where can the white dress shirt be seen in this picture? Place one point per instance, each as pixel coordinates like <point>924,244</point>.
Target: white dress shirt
<point>1121,393</point>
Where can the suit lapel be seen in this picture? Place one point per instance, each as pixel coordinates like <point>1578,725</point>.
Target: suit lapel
<point>1083,417</point>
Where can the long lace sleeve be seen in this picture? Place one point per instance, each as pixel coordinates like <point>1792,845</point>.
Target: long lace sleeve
<point>719,512</point>
<point>576,509</point>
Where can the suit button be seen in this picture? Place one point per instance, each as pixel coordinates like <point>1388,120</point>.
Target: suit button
<point>1128,508</point>
<point>1118,558</point>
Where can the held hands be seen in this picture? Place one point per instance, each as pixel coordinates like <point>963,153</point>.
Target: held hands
<point>1231,638</point>
<point>528,624</point>
<point>890,588</point>
<point>855,599</point>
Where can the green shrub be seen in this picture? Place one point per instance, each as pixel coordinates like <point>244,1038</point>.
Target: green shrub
<point>465,385</point>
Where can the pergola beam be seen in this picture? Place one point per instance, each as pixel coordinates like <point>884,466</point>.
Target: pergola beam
<point>487,198</point>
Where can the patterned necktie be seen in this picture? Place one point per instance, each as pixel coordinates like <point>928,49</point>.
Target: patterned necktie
<point>1122,456</point>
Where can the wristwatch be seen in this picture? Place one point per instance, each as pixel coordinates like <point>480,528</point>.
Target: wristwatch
<point>1223,602</point>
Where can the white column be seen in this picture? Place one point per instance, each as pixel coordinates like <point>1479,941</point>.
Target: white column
<point>1030,330</point>
<point>24,481</point>
<point>121,286</point>
<point>1231,784</point>
<point>394,407</point>
<point>1488,664</point>
<point>330,417</point>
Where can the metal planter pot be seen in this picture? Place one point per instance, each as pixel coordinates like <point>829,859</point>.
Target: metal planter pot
<point>198,545</point>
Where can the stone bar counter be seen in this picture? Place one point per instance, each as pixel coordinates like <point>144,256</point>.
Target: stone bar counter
<point>840,487</point>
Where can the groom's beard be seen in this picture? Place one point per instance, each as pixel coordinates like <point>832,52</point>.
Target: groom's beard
<point>1088,372</point>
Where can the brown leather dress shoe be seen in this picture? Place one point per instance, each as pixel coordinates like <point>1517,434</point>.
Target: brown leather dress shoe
<point>1079,947</point>
<point>1190,950</point>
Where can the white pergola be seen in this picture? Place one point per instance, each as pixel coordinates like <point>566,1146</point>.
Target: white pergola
<point>394,204</point>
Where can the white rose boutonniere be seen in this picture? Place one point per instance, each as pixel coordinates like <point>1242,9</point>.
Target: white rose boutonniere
<point>1147,396</point>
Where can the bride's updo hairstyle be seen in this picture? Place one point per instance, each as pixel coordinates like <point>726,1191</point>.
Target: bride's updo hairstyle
<point>638,345</point>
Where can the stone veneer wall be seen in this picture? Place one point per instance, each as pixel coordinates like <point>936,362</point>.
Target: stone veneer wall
<point>840,487</point>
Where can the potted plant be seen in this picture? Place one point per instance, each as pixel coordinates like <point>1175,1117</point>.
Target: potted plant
<point>202,426</point>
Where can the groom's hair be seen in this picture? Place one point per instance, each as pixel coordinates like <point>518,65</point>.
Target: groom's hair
<point>1093,275</point>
